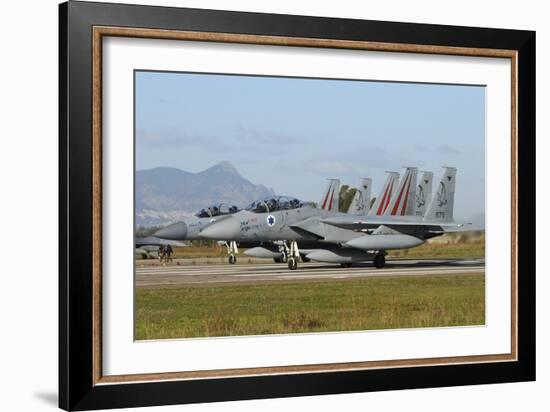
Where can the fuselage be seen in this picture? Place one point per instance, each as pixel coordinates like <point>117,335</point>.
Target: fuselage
<point>307,224</point>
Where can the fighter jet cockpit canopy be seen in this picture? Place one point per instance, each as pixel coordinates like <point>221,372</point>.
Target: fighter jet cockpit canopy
<point>217,210</point>
<point>272,204</point>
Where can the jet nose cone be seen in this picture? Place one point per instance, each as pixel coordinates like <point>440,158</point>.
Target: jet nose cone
<point>225,229</point>
<point>176,231</point>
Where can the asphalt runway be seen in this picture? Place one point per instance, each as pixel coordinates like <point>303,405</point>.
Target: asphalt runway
<point>220,274</point>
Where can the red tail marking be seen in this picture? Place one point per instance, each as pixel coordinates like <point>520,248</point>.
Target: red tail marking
<point>326,197</point>
<point>331,197</point>
<point>406,197</point>
<point>381,206</point>
<point>389,198</point>
<point>396,206</point>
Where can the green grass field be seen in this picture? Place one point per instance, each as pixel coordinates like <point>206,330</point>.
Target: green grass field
<point>373,303</point>
<point>472,249</point>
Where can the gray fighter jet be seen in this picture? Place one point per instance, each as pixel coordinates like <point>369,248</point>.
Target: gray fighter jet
<point>305,235</point>
<point>342,238</point>
<point>278,250</point>
<point>295,227</point>
<point>189,228</point>
<point>271,220</point>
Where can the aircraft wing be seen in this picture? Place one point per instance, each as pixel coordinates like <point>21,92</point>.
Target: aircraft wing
<point>309,229</point>
<point>354,223</point>
<point>155,241</point>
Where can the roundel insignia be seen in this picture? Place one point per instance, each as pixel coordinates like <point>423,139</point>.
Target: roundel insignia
<point>271,220</point>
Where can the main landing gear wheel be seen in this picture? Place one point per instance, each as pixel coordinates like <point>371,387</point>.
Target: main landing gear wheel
<point>277,260</point>
<point>346,265</point>
<point>292,263</point>
<point>232,259</point>
<point>379,261</point>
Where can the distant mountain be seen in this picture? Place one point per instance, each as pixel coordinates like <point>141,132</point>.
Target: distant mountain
<point>164,194</point>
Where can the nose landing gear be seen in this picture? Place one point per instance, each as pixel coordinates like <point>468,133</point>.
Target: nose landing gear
<point>294,255</point>
<point>232,251</point>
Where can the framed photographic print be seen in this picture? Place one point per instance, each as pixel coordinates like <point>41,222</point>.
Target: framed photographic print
<point>257,205</point>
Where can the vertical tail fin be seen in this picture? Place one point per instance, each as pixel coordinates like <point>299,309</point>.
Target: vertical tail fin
<point>441,207</point>
<point>383,200</point>
<point>361,200</point>
<point>424,193</point>
<point>403,201</point>
<point>329,201</point>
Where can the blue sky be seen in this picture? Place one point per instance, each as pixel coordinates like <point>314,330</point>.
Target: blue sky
<point>291,134</point>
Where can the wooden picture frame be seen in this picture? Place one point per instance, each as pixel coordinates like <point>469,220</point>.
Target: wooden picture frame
<point>83,26</point>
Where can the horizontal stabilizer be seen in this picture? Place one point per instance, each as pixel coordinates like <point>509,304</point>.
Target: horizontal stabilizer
<point>343,221</point>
